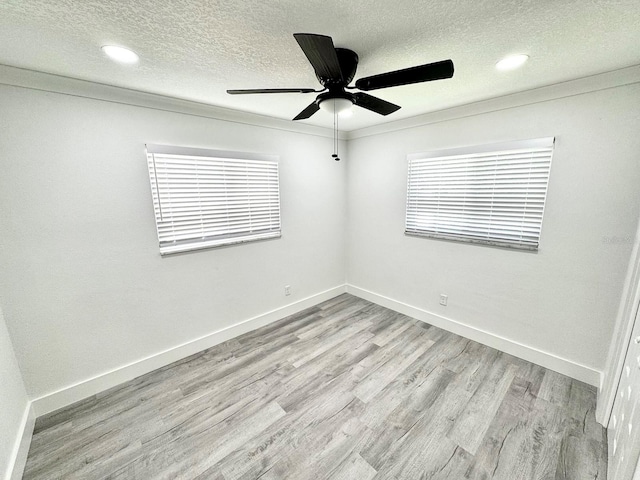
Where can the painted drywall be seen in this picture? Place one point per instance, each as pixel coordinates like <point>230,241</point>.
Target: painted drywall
<point>88,290</point>
<point>561,300</point>
<point>13,403</point>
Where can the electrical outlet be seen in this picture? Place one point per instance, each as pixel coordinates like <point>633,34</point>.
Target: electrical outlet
<point>287,289</point>
<point>443,299</point>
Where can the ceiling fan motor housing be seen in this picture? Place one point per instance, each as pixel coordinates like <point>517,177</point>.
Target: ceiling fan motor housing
<point>348,60</point>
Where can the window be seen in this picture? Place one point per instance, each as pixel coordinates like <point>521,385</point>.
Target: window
<point>490,194</point>
<point>208,198</point>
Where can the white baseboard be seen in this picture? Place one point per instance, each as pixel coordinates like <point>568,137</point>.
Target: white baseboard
<point>91,386</point>
<point>18,460</point>
<point>548,360</point>
<point>76,392</point>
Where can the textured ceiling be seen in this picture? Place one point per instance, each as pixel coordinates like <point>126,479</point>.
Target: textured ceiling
<point>196,49</point>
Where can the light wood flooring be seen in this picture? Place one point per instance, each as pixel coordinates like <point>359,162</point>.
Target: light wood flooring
<point>344,390</point>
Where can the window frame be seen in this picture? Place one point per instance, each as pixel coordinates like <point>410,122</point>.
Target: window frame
<point>470,152</point>
<point>222,240</point>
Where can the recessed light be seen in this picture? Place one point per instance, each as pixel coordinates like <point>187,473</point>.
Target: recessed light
<point>120,54</point>
<point>512,61</point>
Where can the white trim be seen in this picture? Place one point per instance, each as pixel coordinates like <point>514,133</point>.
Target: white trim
<point>602,81</point>
<point>625,319</point>
<point>48,82</point>
<point>18,460</point>
<point>479,150</point>
<point>35,80</point>
<point>208,152</point>
<point>91,386</point>
<point>525,352</point>
<point>169,250</point>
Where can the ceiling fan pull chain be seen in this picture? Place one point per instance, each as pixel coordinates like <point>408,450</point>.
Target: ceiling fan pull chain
<point>337,138</point>
<point>335,133</point>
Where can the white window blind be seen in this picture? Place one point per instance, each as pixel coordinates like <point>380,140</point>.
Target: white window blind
<point>207,198</point>
<point>492,194</point>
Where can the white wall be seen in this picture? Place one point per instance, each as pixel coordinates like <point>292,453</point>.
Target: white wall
<point>85,291</point>
<point>13,403</point>
<point>561,300</point>
<point>84,287</point>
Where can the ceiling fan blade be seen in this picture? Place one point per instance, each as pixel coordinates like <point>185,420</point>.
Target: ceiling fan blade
<point>270,90</point>
<point>375,104</point>
<point>422,73</point>
<point>307,112</point>
<point>321,54</point>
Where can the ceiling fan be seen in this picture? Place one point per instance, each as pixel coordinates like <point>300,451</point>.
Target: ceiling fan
<point>335,69</point>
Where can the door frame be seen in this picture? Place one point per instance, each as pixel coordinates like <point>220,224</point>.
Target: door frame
<point>625,321</point>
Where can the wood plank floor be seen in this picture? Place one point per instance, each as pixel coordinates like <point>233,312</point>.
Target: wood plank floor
<point>344,390</point>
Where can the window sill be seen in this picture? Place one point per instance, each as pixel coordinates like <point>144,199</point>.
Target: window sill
<point>475,241</point>
<point>166,250</point>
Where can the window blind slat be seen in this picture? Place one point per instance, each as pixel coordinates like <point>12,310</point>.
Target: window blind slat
<point>212,223</point>
<point>494,197</point>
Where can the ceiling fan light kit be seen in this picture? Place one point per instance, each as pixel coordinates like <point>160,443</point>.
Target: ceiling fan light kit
<point>336,105</point>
